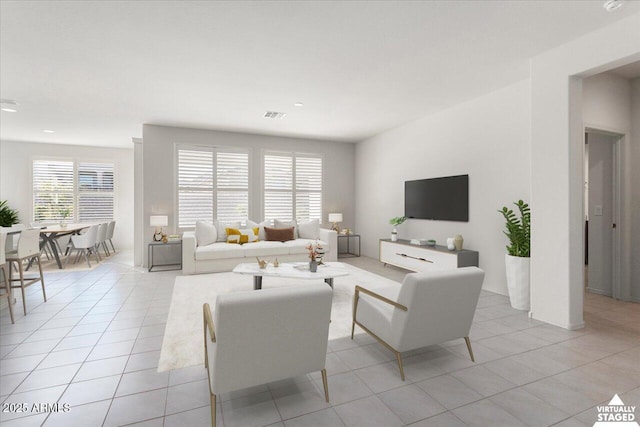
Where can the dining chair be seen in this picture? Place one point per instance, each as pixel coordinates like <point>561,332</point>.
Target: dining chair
<point>5,275</point>
<point>83,244</point>
<point>112,226</point>
<point>46,250</point>
<point>28,248</point>
<point>101,239</point>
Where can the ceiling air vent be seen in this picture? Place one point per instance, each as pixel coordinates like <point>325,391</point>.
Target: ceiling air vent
<point>274,115</point>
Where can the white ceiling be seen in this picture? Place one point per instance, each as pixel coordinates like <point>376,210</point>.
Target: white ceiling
<point>96,71</point>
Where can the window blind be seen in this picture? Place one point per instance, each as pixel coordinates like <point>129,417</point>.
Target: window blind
<point>278,186</point>
<point>292,186</point>
<point>309,187</point>
<point>53,190</point>
<point>195,187</point>
<point>95,192</point>
<point>212,184</point>
<point>232,202</point>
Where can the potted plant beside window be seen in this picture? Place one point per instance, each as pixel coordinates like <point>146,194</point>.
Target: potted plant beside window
<point>517,259</point>
<point>8,216</point>
<point>64,213</point>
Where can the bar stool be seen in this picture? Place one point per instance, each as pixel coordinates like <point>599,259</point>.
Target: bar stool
<point>28,249</point>
<point>5,275</point>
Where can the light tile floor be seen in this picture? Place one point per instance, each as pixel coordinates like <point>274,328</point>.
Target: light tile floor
<point>95,346</point>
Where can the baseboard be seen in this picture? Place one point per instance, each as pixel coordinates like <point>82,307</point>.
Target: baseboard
<point>599,292</point>
<point>575,326</point>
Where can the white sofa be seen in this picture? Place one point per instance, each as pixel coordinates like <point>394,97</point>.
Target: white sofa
<point>222,256</point>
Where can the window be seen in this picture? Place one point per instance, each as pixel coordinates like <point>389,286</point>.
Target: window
<point>213,183</point>
<point>79,191</point>
<point>95,192</point>
<point>292,186</point>
<point>53,190</point>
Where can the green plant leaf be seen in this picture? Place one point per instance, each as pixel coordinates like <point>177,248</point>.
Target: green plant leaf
<point>8,216</point>
<point>518,229</point>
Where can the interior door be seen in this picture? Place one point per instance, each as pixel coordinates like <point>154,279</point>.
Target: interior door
<point>601,213</point>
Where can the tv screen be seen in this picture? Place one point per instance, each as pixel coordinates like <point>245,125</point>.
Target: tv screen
<point>445,198</point>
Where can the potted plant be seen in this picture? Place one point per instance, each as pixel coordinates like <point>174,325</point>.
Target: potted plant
<point>8,216</point>
<point>64,213</point>
<point>396,222</point>
<point>315,252</point>
<point>517,259</point>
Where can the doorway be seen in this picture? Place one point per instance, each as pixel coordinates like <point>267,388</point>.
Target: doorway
<point>602,207</point>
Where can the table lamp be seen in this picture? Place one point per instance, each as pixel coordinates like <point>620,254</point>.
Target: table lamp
<point>158,221</point>
<point>335,218</point>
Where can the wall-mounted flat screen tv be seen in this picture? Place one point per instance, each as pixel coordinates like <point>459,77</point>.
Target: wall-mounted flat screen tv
<point>445,198</point>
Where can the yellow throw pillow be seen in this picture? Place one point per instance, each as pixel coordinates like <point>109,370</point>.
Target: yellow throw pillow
<point>246,235</point>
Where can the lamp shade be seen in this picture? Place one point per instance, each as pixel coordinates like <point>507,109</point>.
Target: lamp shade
<point>158,220</point>
<point>335,217</point>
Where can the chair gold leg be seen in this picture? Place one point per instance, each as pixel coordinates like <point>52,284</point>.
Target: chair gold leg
<point>466,339</point>
<point>206,355</point>
<point>399,357</point>
<point>213,410</point>
<point>325,384</point>
<point>355,309</point>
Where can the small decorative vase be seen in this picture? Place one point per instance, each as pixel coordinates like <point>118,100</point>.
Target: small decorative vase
<point>394,235</point>
<point>313,266</point>
<point>457,241</point>
<point>450,245</point>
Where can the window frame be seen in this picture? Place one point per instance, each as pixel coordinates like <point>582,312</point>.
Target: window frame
<point>76,193</point>
<point>294,190</point>
<point>214,149</point>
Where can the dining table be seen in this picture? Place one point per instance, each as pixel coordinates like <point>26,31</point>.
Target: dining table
<point>50,233</point>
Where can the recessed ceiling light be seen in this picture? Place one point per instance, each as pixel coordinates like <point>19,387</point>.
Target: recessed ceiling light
<point>48,131</point>
<point>611,5</point>
<point>298,104</point>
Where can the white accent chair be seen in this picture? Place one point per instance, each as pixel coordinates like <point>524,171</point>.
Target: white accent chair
<point>112,226</point>
<point>28,249</point>
<point>84,243</point>
<point>428,308</point>
<point>265,336</point>
<point>5,275</point>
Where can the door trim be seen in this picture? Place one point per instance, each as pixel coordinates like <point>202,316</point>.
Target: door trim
<point>619,287</point>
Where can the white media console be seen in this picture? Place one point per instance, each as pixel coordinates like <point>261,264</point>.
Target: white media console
<point>424,258</point>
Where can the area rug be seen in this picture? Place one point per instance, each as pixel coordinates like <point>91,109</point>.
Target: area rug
<point>182,345</point>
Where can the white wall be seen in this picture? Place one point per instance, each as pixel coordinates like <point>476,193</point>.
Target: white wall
<point>159,163</point>
<point>15,177</point>
<point>606,102</point>
<point>486,138</point>
<point>634,159</point>
<point>557,131</point>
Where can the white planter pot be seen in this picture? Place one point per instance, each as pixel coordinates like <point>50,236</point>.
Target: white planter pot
<point>518,269</point>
